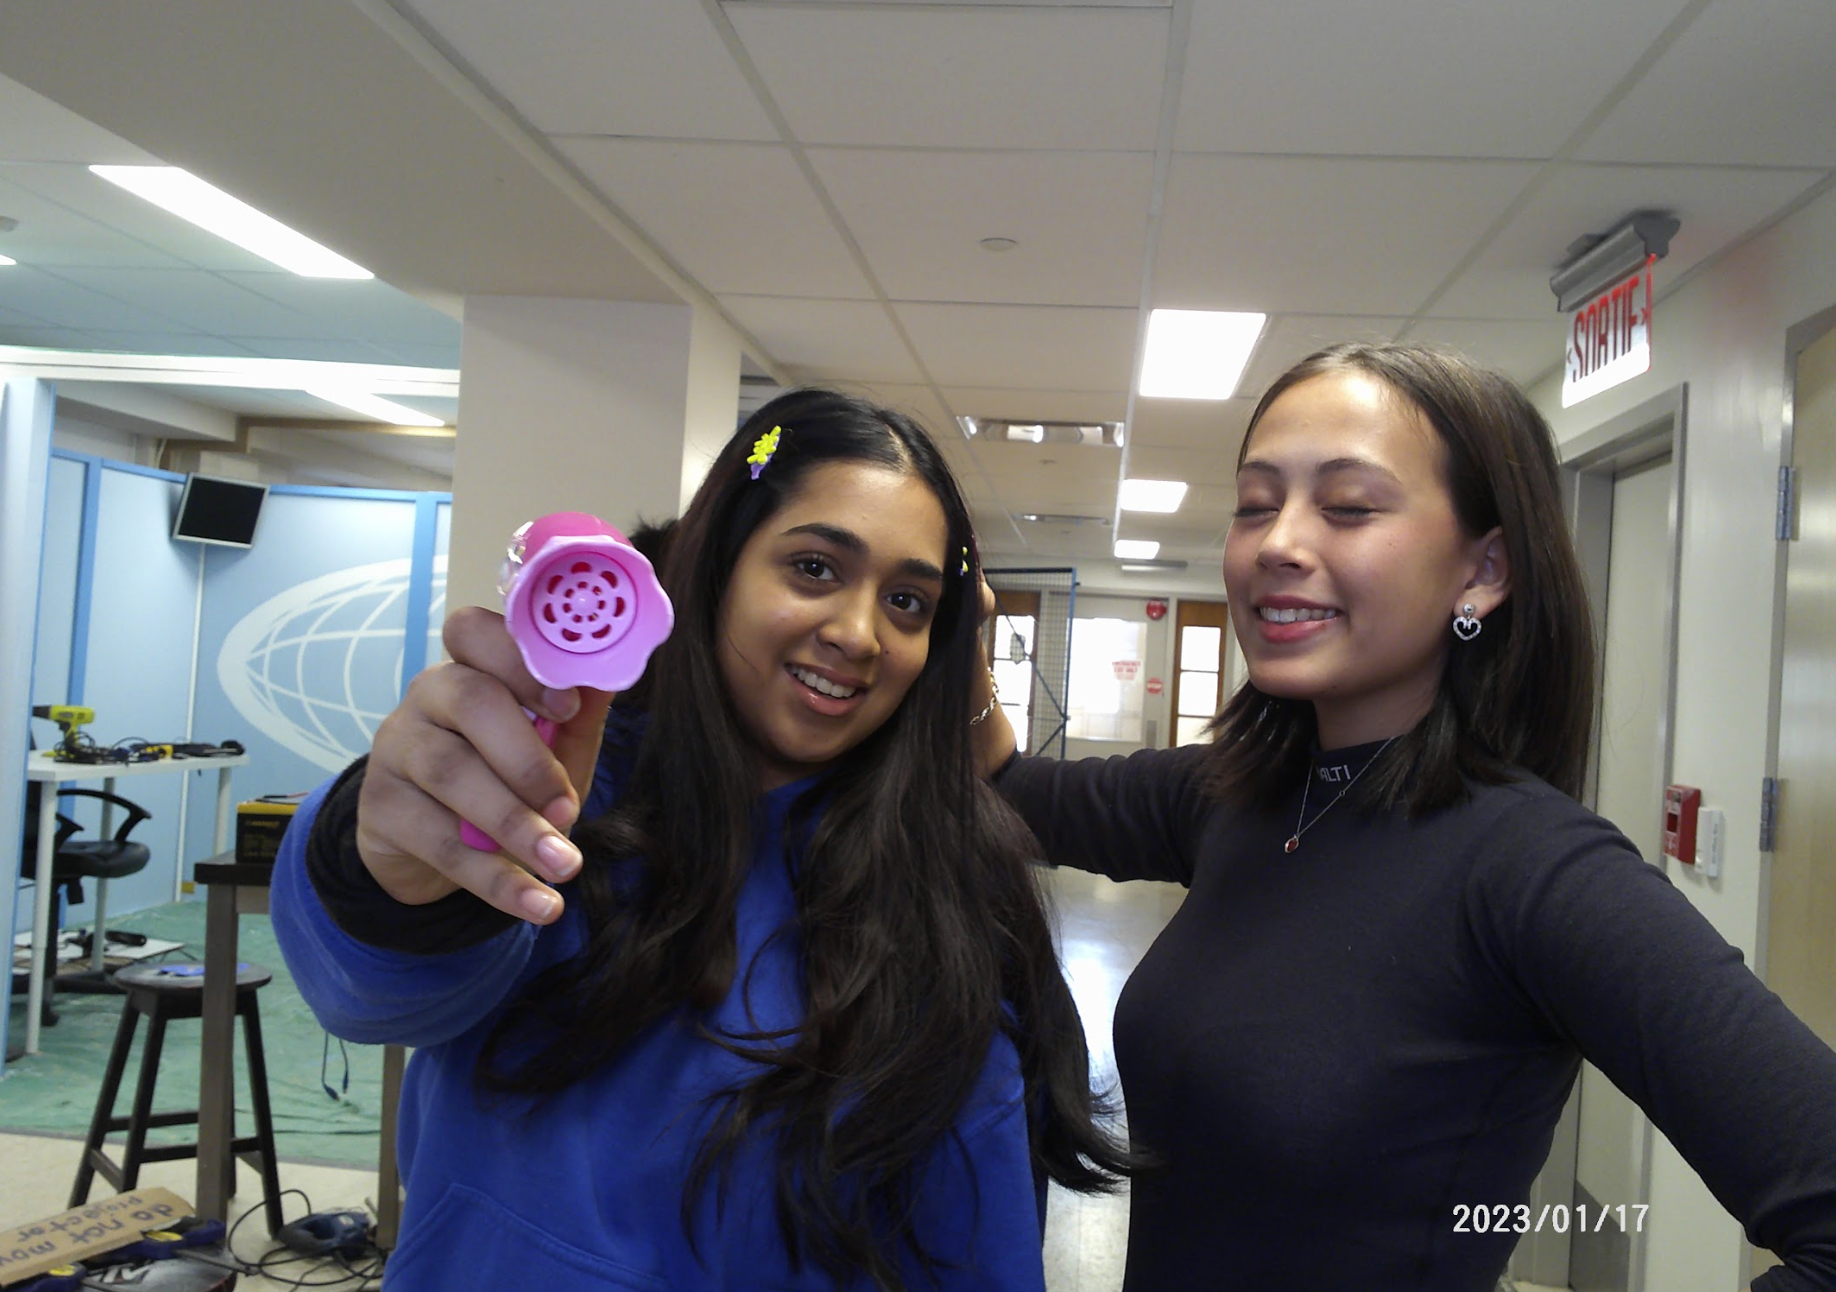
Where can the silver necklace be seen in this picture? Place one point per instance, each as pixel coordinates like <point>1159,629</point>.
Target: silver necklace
<point>1301,824</point>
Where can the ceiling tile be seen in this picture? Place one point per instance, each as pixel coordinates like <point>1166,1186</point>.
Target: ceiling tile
<point>44,337</point>
<point>1023,346</point>
<point>63,302</point>
<point>1510,279</point>
<point>322,349</point>
<point>1080,220</point>
<point>1522,350</point>
<point>195,300</point>
<point>1749,82</point>
<point>413,355</point>
<point>1039,405</point>
<point>638,67</point>
<point>39,130</point>
<point>1289,338</point>
<point>369,309</point>
<point>736,217</point>
<point>1211,428</point>
<point>1212,466</point>
<point>1421,78</point>
<point>54,232</point>
<point>136,231</point>
<point>961,77</point>
<point>1282,235</point>
<point>827,340</point>
<point>203,345</point>
<point>1201,530</point>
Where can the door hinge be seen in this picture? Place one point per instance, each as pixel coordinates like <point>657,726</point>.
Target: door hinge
<point>1788,491</point>
<point>1769,811</point>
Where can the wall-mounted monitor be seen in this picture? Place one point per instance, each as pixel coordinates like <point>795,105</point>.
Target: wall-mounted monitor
<point>218,511</point>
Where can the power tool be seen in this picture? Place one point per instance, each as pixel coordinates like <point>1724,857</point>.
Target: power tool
<point>69,718</point>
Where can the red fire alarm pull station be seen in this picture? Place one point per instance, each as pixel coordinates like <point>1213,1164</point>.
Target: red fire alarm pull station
<point>1681,805</point>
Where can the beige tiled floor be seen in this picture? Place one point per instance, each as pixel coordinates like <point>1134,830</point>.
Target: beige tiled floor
<point>1104,927</point>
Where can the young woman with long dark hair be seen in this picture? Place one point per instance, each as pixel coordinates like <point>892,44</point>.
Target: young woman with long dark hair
<point>785,1011</point>
<point>1349,1048</point>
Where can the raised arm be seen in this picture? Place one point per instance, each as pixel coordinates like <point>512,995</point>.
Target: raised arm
<point>1620,962</point>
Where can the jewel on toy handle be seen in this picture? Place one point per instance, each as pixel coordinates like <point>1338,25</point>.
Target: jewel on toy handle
<point>583,606</point>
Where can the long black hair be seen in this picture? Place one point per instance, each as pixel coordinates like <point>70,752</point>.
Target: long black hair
<point>924,933</point>
<point>1521,694</point>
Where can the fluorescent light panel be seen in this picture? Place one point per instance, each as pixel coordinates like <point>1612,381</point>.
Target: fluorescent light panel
<point>1137,549</point>
<point>1197,354</point>
<point>369,405</point>
<point>210,208</point>
<point>7,260</point>
<point>1152,495</point>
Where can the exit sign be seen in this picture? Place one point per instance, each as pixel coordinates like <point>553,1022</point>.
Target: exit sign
<point>1609,339</point>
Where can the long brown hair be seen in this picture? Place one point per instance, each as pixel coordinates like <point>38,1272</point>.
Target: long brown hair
<point>924,934</point>
<point>1520,695</point>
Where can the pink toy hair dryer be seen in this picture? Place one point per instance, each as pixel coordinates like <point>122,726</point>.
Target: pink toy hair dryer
<point>585,609</point>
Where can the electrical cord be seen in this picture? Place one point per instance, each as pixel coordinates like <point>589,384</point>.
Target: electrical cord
<point>354,1272</point>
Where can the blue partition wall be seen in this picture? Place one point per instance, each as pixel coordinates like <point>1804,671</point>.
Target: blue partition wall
<point>295,646</point>
<point>308,638</point>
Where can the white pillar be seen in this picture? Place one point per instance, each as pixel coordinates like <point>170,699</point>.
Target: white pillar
<point>609,407</point>
<point>25,463</point>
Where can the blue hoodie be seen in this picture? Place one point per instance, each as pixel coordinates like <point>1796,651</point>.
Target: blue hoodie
<point>586,1190</point>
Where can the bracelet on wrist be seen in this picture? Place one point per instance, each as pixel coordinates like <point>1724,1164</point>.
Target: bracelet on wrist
<point>993,699</point>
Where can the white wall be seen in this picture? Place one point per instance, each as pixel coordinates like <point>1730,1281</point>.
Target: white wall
<point>1722,333</point>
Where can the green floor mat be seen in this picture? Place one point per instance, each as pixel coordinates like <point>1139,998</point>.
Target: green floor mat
<point>54,1091</point>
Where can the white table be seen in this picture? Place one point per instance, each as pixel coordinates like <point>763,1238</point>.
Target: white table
<point>42,766</point>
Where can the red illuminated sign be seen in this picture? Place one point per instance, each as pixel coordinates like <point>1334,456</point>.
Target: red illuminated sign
<point>1609,338</point>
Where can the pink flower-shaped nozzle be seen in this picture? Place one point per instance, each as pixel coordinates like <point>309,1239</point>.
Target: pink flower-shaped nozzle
<point>583,605</point>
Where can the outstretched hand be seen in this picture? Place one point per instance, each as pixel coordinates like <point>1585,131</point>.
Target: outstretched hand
<point>460,746</point>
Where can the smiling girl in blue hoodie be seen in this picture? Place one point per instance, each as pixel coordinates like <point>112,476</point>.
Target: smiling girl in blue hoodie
<point>783,1011</point>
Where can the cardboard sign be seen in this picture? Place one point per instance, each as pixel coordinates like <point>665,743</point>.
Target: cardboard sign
<point>100,1226</point>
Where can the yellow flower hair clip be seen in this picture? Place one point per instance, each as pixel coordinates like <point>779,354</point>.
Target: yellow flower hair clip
<point>762,449</point>
<point>965,568</point>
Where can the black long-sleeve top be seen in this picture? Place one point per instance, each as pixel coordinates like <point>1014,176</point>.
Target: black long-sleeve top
<point>1332,1050</point>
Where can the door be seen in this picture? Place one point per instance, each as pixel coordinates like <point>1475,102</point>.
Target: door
<point>1201,657</point>
<point>1610,1159</point>
<point>1115,649</point>
<point>1622,481</point>
<point>1799,956</point>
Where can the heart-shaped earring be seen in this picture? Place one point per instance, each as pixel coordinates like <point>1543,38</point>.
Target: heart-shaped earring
<point>1466,627</point>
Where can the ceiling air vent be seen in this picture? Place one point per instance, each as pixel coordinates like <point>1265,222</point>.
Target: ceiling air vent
<point>1007,430</point>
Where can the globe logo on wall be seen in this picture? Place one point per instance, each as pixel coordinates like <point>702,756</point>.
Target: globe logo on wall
<point>317,667</point>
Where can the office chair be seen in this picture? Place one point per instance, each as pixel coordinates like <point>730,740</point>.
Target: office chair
<point>73,860</point>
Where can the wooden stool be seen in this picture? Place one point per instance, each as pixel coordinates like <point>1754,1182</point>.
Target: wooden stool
<point>164,992</point>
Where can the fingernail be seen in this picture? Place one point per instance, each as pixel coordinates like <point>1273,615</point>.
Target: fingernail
<point>559,857</point>
<point>539,904</point>
<point>560,814</point>
<point>561,705</point>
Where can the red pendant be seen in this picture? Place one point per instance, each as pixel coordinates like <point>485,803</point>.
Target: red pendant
<point>1292,843</point>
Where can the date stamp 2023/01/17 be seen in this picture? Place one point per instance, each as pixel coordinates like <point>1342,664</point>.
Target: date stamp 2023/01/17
<point>1557,1217</point>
